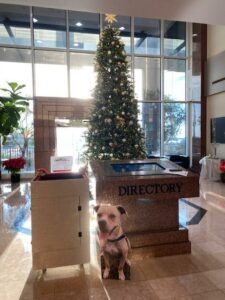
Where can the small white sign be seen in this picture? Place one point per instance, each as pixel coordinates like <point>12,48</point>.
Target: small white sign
<point>61,164</point>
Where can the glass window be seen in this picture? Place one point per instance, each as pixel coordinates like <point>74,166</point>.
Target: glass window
<point>84,30</point>
<point>123,24</point>
<point>174,38</point>
<point>15,66</point>
<point>174,122</point>
<point>51,73</point>
<point>174,80</point>
<point>150,122</point>
<point>49,27</point>
<point>147,78</point>
<point>82,75</point>
<point>146,36</point>
<point>15,25</point>
<point>71,140</point>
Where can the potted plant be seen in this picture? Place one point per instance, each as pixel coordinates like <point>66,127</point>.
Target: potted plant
<point>14,165</point>
<point>222,169</point>
<point>11,107</point>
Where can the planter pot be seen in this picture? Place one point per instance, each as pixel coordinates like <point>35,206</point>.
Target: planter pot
<point>15,178</point>
<point>222,177</point>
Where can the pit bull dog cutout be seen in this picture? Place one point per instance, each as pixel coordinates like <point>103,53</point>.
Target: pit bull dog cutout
<point>112,240</point>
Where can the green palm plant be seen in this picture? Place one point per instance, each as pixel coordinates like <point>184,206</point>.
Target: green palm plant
<point>11,107</point>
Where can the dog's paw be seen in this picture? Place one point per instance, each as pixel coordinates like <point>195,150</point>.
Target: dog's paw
<point>106,273</point>
<point>128,262</point>
<point>121,275</point>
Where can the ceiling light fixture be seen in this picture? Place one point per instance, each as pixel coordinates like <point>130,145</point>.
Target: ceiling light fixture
<point>122,28</point>
<point>79,24</point>
<point>35,20</point>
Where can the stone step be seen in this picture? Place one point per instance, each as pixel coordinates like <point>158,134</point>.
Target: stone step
<point>143,239</point>
<point>160,250</point>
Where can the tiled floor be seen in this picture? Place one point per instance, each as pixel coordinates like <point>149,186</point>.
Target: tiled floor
<point>199,275</point>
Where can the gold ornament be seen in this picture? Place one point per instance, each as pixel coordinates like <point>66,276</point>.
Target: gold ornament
<point>120,120</point>
<point>110,18</point>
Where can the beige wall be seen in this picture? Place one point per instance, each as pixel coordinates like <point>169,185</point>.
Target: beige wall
<point>215,103</point>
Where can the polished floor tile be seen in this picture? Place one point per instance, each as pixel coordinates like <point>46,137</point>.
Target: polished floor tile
<point>168,288</point>
<point>199,275</point>
<point>196,283</point>
<point>217,277</point>
<point>213,295</point>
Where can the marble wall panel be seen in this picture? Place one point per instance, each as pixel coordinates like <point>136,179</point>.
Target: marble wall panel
<point>46,110</point>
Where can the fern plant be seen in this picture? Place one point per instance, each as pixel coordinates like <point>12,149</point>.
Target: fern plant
<point>11,107</point>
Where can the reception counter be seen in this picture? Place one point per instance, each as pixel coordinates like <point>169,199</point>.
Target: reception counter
<point>149,190</point>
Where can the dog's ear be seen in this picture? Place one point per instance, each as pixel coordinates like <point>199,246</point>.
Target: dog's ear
<point>96,208</point>
<point>121,209</point>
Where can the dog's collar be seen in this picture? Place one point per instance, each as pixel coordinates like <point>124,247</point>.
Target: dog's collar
<point>113,229</point>
<point>123,236</point>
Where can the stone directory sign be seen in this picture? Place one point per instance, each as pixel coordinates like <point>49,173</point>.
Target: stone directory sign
<point>150,197</point>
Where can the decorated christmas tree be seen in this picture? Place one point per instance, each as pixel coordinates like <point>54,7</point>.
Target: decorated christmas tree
<point>114,131</point>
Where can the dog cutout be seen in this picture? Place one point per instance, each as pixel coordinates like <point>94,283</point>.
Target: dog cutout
<point>112,240</point>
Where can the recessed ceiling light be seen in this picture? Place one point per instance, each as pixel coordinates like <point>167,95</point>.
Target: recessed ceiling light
<point>35,20</point>
<point>79,24</point>
<point>122,28</point>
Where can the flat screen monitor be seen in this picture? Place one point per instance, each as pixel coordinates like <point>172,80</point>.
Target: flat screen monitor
<point>218,130</point>
<point>136,167</point>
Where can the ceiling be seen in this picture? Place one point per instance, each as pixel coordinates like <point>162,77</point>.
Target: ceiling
<point>199,11</point>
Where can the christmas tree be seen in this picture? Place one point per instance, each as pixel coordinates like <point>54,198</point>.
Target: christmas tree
<point>114,131</point>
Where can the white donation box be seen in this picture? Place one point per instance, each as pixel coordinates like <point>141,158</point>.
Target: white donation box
<point>60,222</point>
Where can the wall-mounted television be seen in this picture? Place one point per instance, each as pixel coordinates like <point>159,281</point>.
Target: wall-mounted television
<point>218,130</point>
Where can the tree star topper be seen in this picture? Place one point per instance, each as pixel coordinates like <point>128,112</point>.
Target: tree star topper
<point>110,18</point>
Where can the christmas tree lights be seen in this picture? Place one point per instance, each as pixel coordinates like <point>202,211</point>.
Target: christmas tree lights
<point>114,131</point>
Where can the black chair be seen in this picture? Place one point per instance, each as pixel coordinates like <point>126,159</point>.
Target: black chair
<point>153,156</point>
<point>183,161</point>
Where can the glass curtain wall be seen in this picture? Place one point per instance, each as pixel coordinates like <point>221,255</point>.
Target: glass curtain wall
<point>52,52</point>
<point>160,61</point>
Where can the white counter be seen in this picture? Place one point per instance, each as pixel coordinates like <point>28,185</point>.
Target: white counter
<point>210,168</point>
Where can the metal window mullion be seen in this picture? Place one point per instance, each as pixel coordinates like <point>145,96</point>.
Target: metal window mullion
<point>162,89</point>
<point>68,52</point>
<point>190,122</point>
<point>2,45</point>
<point>187,107</point>
<point>32,53</point>
<point>101,22</point>
<point>189,95</point>
<point>50,49</point>
<point>132,47</point>
<point>187,127</point>
<point>148,56</point>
